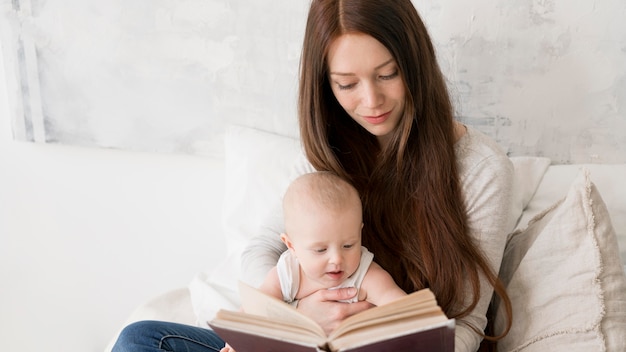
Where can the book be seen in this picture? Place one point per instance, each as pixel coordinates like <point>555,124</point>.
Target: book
<point>412,323</point>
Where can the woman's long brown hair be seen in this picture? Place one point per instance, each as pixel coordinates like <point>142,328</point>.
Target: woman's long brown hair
<point>415,221</point>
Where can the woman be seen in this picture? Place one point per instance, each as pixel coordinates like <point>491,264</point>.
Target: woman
<point>374,108</point>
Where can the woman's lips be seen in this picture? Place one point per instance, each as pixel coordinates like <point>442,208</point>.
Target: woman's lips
<point>376,120</point>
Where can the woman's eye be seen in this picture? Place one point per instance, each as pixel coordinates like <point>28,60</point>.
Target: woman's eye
<point>391,76</point>
<point>345,86</point>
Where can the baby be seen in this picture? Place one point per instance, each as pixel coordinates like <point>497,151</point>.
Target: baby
<point>323,222</point>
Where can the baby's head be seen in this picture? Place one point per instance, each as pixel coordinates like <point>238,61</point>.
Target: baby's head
<point>323,222</point>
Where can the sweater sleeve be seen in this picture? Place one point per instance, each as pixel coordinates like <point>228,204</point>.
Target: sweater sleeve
<point>487,182</point>
<point>264,249</point>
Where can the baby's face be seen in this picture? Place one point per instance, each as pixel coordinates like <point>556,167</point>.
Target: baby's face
<point>327,244</point>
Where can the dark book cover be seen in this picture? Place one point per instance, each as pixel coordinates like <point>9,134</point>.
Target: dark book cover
<point>244,342</point>
<point>436,339</point>
<point>439,339</point>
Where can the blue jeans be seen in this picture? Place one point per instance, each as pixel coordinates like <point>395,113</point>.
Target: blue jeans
<point>159,336</point>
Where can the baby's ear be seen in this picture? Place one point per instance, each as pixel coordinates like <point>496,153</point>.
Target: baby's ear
<point>285,238</point>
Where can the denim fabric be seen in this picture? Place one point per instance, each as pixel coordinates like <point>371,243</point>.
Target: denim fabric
<point>159,336</point>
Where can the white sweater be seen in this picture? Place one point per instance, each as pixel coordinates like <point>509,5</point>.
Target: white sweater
<point>487,183</point>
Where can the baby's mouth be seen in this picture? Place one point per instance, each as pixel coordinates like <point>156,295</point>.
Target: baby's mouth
<point>335,275</point>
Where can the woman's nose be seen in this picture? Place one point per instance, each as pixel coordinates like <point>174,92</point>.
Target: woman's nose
<point>372,97</point>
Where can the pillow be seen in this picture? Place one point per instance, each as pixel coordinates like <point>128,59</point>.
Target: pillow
<point>529,171</point>
<point>565,280</point>
<point>609,180</point>
<point>258,167</point>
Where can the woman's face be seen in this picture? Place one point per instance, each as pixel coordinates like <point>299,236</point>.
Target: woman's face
<point>366,81</point>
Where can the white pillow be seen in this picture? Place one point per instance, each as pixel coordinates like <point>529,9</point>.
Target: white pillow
<point>565,279</point>
<point>257,167</point>
<point>529,171</point>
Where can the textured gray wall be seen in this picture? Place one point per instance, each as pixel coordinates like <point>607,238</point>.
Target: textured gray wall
<point>543,77</point>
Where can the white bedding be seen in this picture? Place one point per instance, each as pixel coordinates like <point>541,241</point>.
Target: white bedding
<point>256,173</point>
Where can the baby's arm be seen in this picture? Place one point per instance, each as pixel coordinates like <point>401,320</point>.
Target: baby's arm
<point>271,284</point>
<point>379,286</point>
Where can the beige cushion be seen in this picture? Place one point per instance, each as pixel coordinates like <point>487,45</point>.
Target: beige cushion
<point>565,279</point>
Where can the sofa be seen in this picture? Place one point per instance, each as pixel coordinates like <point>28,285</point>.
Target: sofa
<point>563,265</point>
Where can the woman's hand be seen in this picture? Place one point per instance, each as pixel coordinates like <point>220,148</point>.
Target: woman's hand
<point>227,348</point>
<point>323,307</point>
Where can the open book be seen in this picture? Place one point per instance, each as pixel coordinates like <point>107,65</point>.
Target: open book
<point>411,323</point>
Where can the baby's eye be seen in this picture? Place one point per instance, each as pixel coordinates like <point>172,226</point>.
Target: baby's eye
<point>320,250</point>
<point>348,246</point>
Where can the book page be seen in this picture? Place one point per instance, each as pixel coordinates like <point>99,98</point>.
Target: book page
<point>257,303</point>
<point>421,302</point>
<point>419,317</point>
<point>388,332</point>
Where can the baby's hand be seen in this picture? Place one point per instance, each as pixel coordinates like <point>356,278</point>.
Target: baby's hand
<point>227,348</point>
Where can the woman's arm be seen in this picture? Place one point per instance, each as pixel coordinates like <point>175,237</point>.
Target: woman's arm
<point>261,255</point>
<point>487,178</point>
